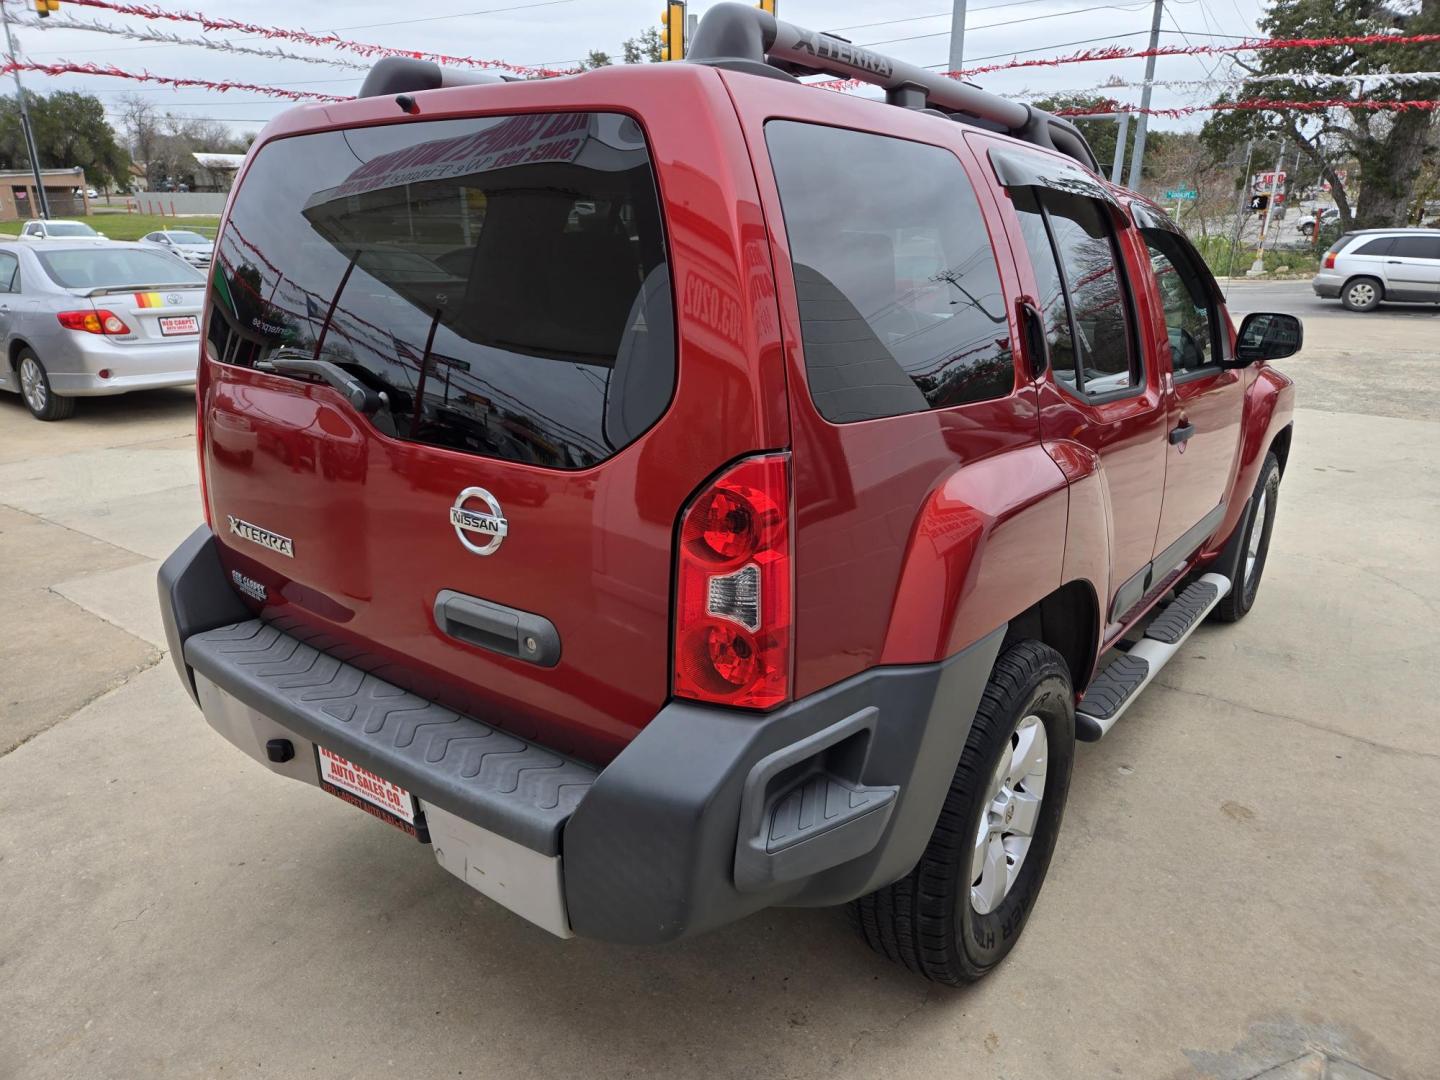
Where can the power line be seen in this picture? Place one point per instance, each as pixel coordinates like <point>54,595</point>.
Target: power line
<point>1011,22</point>
<point>1045,48</point>
<point>937,15</point>
<point>459,15</point>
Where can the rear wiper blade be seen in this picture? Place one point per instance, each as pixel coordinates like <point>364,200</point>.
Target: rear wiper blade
<point>360,396</point>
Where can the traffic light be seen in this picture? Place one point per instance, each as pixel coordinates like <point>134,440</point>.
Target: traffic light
<point>44,7</point>
<point>768,5</point>
<point>672,31</point>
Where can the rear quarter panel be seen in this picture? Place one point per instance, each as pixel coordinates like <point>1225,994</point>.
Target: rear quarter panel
<point>917,534</point>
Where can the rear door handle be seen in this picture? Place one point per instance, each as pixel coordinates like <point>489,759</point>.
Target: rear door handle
<point>501,629</point>
<point>1181,434</point>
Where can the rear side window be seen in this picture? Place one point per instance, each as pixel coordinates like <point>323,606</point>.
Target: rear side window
<point>900,299</point>
<point>1381,246</point>
<point>1082,291</point>
<point>502,280</point>
<point>101,268</point>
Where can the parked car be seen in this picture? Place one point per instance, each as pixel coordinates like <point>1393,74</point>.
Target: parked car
<point>190,246</point>
<point>1328,216</point>
<point>91,193</point>
<point>858,459</point>
<point>1370,266</point>
<point>57,229</point>
<point>84,318</point>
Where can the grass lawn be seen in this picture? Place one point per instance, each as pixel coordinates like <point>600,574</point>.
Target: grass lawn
<point>130,226</point>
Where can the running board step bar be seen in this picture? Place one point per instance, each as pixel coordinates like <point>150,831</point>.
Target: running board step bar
<point>1112,691</point>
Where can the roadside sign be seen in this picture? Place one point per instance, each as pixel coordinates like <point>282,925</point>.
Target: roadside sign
<point>1184,194</point>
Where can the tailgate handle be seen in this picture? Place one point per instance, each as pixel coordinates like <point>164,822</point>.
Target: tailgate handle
<point>504,630</point>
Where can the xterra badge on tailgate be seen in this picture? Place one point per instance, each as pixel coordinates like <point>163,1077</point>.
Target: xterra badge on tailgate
<point>466,519</point>
<point>264,537</point>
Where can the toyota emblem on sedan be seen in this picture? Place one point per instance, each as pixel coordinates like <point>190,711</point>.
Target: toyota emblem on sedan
<point>476,521</point>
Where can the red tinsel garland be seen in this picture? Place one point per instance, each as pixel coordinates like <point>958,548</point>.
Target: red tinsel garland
<point>1116,52</point>
<point>303,37</point>
<point>1257,105</point>
<point>65,67</point>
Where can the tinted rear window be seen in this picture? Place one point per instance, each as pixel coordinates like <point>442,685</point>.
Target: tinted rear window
<point>69,228</point>
<point>899,295</point>
<point>502,279</point>
<point>1375,247</point>
<point>100,267</point>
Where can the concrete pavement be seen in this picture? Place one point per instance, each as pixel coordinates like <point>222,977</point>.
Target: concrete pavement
<point>1247,884</point>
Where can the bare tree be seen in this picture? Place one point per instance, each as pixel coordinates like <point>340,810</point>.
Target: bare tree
<point>142,128</point>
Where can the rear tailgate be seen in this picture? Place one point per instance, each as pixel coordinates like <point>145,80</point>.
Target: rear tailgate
<point>510,284</point>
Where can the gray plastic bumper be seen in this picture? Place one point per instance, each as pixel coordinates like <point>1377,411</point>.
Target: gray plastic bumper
<point>709,814</point>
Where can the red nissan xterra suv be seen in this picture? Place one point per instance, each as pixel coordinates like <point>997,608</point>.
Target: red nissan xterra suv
<point>674,490</point>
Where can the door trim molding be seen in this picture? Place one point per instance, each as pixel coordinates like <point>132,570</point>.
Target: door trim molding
<point>1134,589</point>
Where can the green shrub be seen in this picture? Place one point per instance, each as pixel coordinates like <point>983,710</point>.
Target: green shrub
<point>1216,252</point>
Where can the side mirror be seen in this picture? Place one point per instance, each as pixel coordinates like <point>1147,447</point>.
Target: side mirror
<point>1267,335</point>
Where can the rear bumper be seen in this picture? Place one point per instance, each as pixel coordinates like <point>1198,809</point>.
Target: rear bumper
<point>74,361</point>
<point>708,815</point>
<point>1327,285</point>
<point>95,386</point>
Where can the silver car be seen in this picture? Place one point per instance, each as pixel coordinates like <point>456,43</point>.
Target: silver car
<point>82,318</point>
<point>1365,267</point>
<point>56,229</point>
<point>190,246</point>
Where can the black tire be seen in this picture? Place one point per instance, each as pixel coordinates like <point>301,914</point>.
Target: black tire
<point>39,398</point>
<point>926,920</point>
<point>1241,597</point>
<point>1362,294</point>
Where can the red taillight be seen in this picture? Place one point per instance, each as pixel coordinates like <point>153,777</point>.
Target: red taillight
<point>732,592</point>
<point>1329,260</point>
<point>98,321</point>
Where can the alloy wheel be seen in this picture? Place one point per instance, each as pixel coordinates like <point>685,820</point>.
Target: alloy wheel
<point>1011,816</point>
<point>1257,535</point>
<point>1362,293</point>
<point>32,384</point>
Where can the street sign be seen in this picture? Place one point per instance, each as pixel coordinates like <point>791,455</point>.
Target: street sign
<point>1184,194</point>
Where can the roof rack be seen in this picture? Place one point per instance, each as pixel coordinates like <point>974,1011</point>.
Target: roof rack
<point>744,38</point>
<point>402,75</point>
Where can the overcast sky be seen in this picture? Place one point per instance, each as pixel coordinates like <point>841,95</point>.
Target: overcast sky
<point>557,32</point>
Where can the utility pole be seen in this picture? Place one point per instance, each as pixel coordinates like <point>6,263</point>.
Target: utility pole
<point>957,36</point>
<point>1239,216</point>
<point>42,204</point>
<point>1258,266</point>
<point>1137,162</point>
<point>1117,170</point>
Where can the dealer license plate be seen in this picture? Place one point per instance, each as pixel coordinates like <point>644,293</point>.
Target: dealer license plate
<point>375,795</point>
<point>171,325</point>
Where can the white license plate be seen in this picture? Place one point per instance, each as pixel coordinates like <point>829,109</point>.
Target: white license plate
<point>179,324</point>
<point>375,795</point>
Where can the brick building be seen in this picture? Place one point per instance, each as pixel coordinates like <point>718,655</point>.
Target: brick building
<point>65,188</point>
